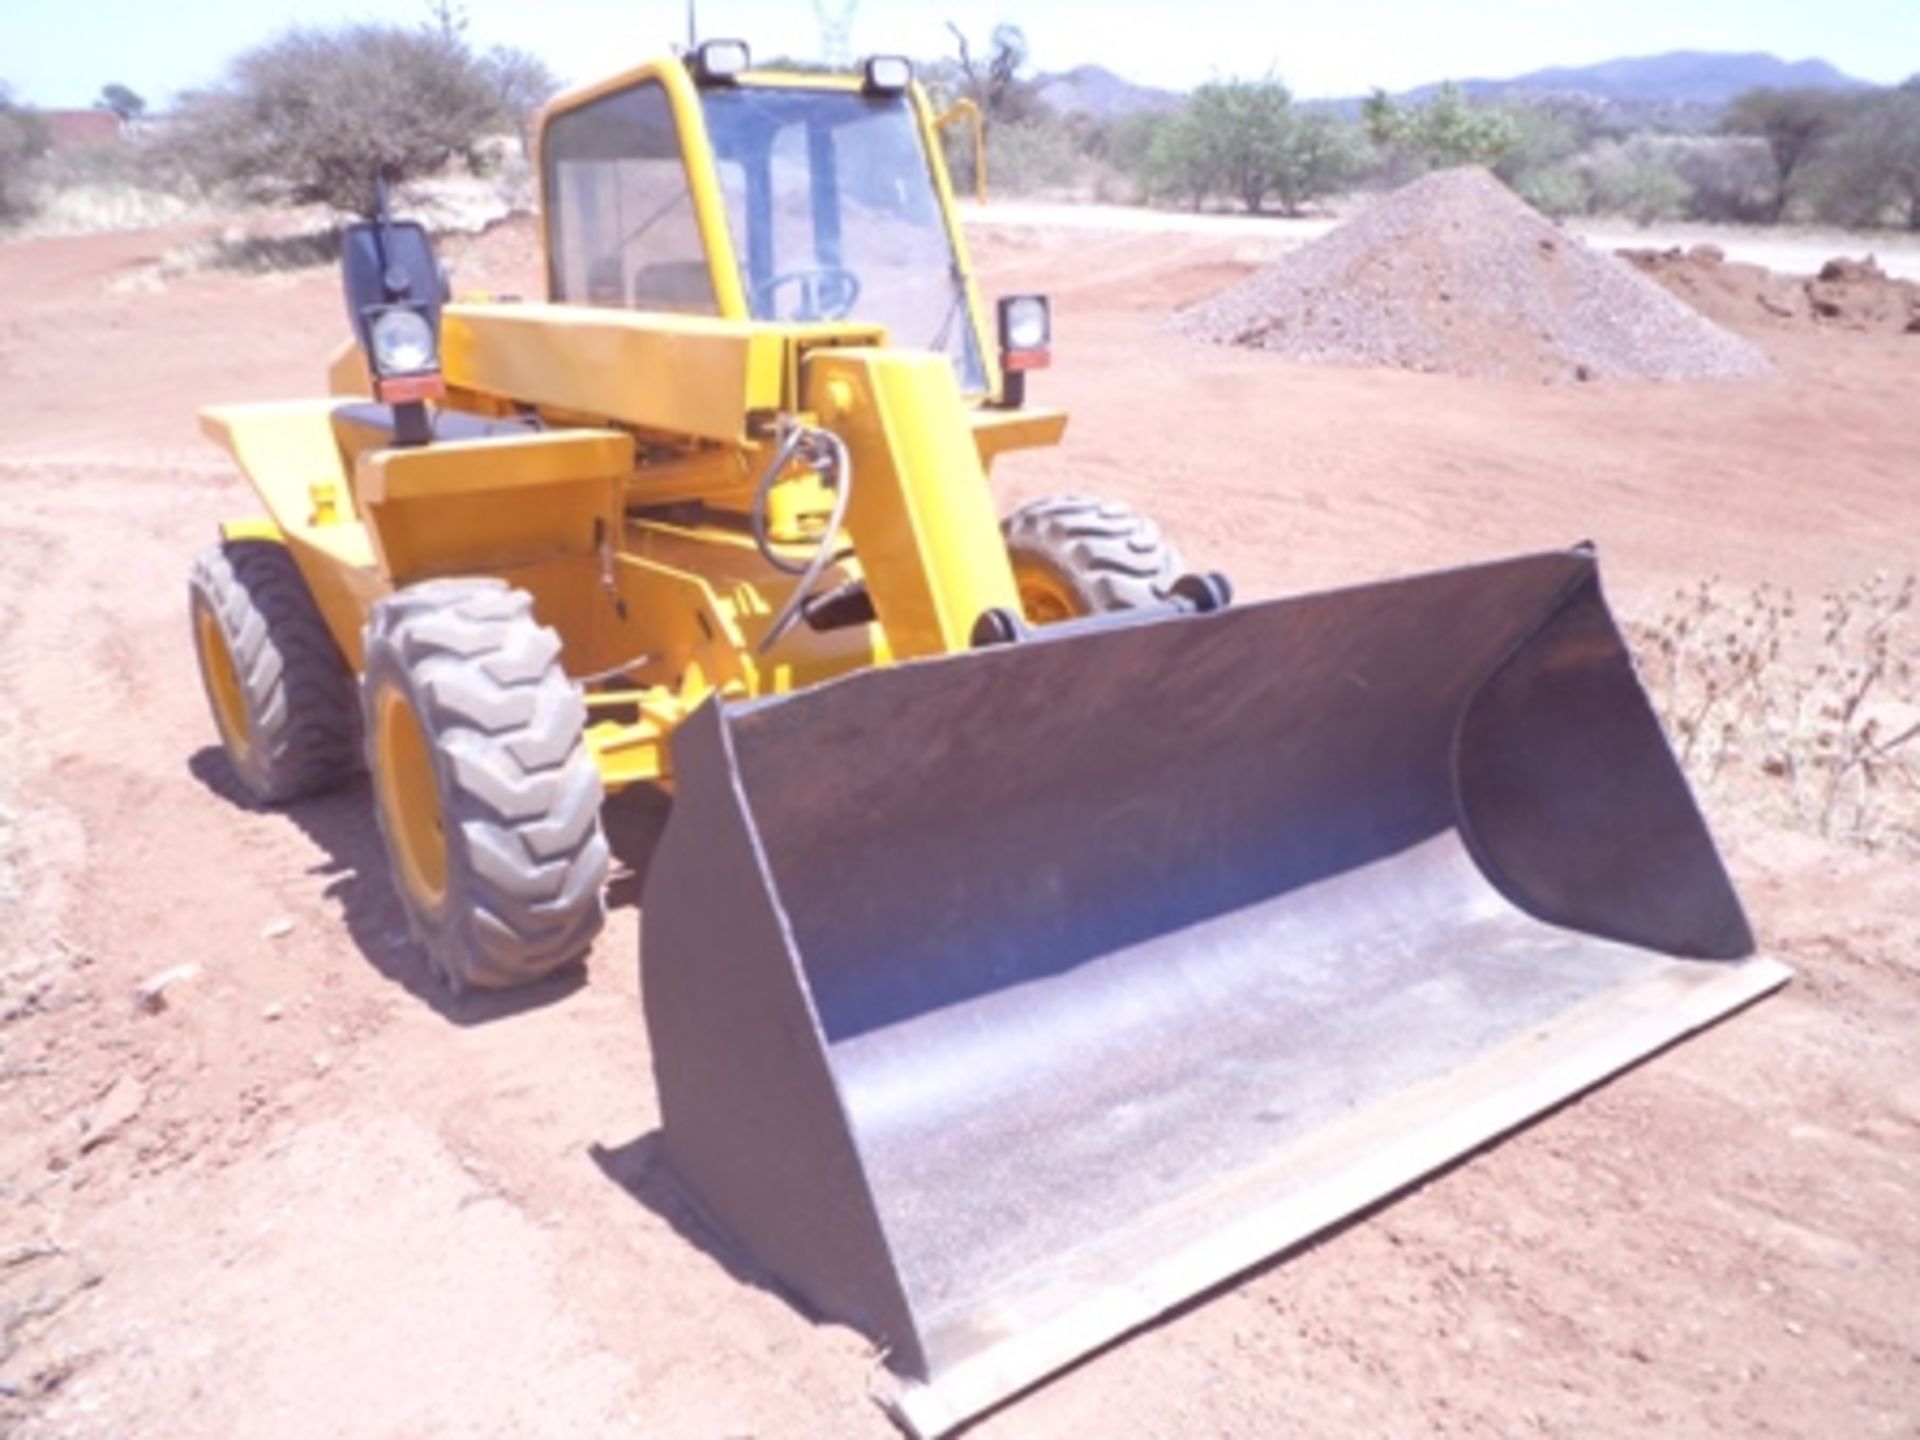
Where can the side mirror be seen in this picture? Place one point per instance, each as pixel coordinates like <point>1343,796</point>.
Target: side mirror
<point>394,291</point>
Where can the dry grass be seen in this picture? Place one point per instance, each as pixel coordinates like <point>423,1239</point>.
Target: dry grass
<point>1812,717</point>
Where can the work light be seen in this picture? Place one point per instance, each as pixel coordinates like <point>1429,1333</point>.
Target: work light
<point>401,341</point>
<point>1026,332</point>
<point>720,62</point>
<point>888,74</point>
<point>1026,327</point>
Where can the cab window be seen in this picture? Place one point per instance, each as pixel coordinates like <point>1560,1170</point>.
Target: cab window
<point>830,200</point>
<point>621,227</point>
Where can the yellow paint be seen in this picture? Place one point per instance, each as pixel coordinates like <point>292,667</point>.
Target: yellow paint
<point>995,432</point>
<point>983,332</point>
<point>964,111</point>
<point>703,183</point>
<point>452,470</point>
<point>479,506</point>
<point>680,375</point>
<point>255,528</point>
<point>921,517</point>
<point>223,683</point>
<point>409,797</point>
<point>287,448</point>
<point>1045,597</point>
<point>625,515</point>
<point>347,372</point>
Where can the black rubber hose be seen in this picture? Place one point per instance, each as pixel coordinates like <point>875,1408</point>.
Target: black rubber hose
<point>840,465</point>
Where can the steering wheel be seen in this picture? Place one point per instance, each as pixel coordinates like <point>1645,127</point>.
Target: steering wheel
<point>826,292</point>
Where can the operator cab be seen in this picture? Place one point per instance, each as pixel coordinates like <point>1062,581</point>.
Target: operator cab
<point>703,188</point>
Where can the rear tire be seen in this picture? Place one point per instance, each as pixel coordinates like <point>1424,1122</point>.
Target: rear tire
<point>1074,555</point>
<point>279,689</point>
<point>487,797</point>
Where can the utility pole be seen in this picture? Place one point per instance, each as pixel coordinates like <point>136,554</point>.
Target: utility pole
<point>836,31</point>
<point>693,29</point>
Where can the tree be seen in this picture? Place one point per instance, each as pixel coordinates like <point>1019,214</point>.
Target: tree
<point>1244,131</point>
<point>1447,130</point>
<point>1869,172</point>
<point>521,83</point>
<point>1544,138</point>
<point>1731,177</point>
<point>121,101</point>
<point>1246,137</point>
<point>1794,124</point>
<point>314,116</point>
<point>995,84</point>
<point>1630,179</point>
<point>1380,115</point>
<point>23,140</point>
<point>1321,158</point>
<point>448,20</point>
<point>1179,165</point>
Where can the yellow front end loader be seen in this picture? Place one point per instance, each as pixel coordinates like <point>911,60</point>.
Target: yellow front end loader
<point>1038,939</point>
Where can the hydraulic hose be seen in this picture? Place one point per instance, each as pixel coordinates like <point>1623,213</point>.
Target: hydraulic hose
<point>826,454</point>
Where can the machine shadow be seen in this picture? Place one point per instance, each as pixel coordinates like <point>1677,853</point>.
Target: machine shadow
<point>634,821</point>
<point>355,871</point>
<point>639,1168</point>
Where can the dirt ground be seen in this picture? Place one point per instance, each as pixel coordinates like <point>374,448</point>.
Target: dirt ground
<point>309,1195</point>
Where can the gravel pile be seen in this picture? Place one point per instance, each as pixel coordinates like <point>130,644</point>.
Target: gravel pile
<point>1456,273</point>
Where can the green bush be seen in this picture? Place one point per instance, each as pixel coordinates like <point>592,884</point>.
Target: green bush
<point>1869,172</point>
<point>1557,190</point>
<point>1177,166</point>
<point>1630,179</point>
<point>1731,177</point>
<point>1241,139</point>
<point>1028,155</point>
<point>1795,124</point>
<point>1445,131</point>
<point>1643,193</point>
<point>1544,140</point>
<point>314,116</point>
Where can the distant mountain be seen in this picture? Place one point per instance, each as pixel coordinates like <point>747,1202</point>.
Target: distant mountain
<point>1683,77</point>
<point>1685,89</point>
<point>1095,90</point>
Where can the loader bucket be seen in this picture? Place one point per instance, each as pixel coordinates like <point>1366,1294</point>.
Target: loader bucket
<point>1002,1001</point>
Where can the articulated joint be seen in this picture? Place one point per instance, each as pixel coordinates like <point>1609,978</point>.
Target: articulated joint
<point>1197,593</point>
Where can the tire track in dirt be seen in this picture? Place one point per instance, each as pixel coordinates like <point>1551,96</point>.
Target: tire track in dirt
<point>341,1194</point>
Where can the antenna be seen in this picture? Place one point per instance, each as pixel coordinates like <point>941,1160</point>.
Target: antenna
<point>836,31</point>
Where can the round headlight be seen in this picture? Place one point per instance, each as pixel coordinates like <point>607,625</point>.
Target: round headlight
<point>1026,323</point>
<point>402,343</point>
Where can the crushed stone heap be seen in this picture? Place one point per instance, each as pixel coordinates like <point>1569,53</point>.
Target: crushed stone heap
<point>1456,273</point>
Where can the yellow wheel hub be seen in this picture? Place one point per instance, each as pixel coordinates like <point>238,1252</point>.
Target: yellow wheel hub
<point>223,682</point>
<point>410,798</point>
<point>1044,596</point>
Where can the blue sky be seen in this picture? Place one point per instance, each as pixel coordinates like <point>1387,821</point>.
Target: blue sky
<point>59,52</point>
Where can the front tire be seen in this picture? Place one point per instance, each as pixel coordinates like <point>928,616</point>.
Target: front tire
<point>1074,556</point>
<point>487,797</point>
<point>280,691</point>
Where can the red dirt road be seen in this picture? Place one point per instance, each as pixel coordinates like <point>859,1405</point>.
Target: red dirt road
<point>313,1196</point>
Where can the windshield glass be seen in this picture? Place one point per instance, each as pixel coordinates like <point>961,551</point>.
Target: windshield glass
<point>833,213</point>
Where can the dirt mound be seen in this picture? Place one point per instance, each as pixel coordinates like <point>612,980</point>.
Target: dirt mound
<point>1456,273</point>
<point>1846,294</point>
